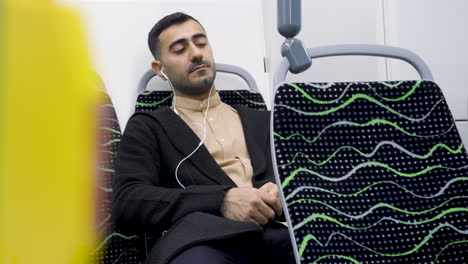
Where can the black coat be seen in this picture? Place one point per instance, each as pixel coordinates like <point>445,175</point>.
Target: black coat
<point>147,196</point>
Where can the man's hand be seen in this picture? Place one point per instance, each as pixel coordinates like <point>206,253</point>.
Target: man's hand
<point>272,190</point>
<point>246,204</point>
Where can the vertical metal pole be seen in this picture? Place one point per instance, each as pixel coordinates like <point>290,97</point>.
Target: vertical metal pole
<point>289,17</point>
<point>289,25</point>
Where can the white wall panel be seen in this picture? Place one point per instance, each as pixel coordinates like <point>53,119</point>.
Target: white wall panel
<point>118,39</point>
<point>437,30</point>
<point>242,32</point>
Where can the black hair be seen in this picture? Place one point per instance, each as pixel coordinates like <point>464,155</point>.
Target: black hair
<point>160,26</point>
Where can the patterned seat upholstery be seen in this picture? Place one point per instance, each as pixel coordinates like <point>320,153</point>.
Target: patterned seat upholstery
<point>114,246</point>
<point>151,100</point>
<point>372,172</point>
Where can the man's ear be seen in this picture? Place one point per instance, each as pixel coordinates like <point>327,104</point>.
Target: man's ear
<point>157,67</point>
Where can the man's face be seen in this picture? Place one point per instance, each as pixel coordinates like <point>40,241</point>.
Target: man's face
<point>187,59</point>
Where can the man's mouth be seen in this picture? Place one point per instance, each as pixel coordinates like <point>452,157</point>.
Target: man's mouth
<point>199,68</point>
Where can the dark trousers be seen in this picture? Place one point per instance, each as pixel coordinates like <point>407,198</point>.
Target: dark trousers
<point>273,248</point>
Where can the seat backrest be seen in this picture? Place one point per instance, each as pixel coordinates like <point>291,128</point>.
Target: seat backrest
<point>114,247</point>
<point>371,172</point>
<point>151,100</point>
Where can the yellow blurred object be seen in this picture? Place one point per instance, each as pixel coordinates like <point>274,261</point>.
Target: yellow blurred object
<point>47,138</point>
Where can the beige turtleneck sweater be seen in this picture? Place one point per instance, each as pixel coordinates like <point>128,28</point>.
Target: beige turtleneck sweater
<point>224,135</point>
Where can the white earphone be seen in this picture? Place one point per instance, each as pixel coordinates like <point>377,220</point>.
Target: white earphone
<point>163,74</point>
<point>204,126</point>
<point>173,91</point>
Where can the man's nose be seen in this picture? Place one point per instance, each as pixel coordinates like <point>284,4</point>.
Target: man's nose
<point>195,52</point>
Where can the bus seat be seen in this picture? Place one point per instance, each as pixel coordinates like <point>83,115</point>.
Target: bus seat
<point>371,172</point>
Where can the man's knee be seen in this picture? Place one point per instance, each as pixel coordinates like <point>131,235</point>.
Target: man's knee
<point>203,254</point>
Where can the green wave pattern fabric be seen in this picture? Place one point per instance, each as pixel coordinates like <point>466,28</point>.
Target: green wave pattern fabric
<point>372,172</point>
<point>151,100</point>
<point>115,247</point>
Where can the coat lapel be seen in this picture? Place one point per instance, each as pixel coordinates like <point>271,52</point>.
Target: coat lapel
<point>256,127</point>
<point>185,140</point>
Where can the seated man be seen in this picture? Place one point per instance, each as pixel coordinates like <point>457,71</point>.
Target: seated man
<point>198,175</point>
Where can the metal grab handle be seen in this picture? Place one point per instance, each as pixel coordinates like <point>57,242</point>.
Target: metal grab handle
<point>363,50</point>
<point>145,80</point>
<point>226,68</point>
<point>236,70</point>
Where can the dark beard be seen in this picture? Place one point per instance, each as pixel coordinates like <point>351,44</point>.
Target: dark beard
<point>198,89</point>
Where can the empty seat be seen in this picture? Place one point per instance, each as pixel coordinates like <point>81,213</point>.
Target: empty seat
<point>371,172</point>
